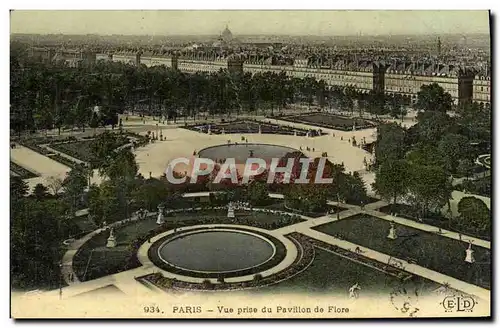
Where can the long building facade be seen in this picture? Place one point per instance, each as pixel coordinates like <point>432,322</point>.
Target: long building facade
<point>396,77</point>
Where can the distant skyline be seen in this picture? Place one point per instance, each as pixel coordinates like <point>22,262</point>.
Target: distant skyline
<point>208,22</point>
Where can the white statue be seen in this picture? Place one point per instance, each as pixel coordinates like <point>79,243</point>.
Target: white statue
<point>160,219</point>
<point>469,254</point>
<point>354,291</point>
<point>392,232</point>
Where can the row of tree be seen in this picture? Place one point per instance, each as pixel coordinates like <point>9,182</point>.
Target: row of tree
<point>47,96</point>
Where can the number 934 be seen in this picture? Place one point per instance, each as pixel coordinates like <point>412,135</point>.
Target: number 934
<point>152,309</point>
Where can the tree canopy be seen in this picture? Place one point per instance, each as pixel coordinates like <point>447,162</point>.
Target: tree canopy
<point>432,97</point>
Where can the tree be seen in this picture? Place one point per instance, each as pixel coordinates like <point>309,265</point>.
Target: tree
<point>103,146</point>
<point>432,97</point>
<point>452,148</point>
<point>396,108</point>
<point>391,180</point>
<point>474,214</point>
<point>429,187</point>
<point>96,204</point>
<point>307,197</point>
<point>376,103</point>
<point>465,167</point>
<point>425,154</point>
<point>150,193</point>
<point>37,231</point>
<point>74,184</point>
<point>477,121</point>
<point>390,144</point>
<point>356,190</point>
<point>40,192</point>
<point>120,165</point>
<point>432,126</point>
<point>18,188</point>
<point>257,193</point>
<point>55,184</point>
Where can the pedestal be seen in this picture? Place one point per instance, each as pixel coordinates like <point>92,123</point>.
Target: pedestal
<point>160,219</point>
<point>260,129</point>
<point>111,240</point>
<point>230,211</point>
<point>294,133</point>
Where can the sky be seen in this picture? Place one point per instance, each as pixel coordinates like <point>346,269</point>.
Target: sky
<point>191,22</point>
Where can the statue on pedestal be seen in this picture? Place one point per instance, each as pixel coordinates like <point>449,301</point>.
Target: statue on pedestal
<point>230,210</point>
<point>469,254</point>
<point>160,219</point>
<point>354,291</point>
<point>392,232</point>
<point>111,239</point>
<point>260,129</point>
<point>209,131</point>
<point>295,133</point>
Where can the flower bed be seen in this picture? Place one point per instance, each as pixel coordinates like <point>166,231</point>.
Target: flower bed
<point>358,257</point>
<point>251,126</point>
<point>328,121</point>
<point>22,172</point>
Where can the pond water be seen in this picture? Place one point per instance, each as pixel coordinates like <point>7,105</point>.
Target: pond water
<point>217,251</point>
<point>241,152</point>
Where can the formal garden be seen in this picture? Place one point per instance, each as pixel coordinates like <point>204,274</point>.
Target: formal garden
<point>430,250</point>
<point>252,126</point>
<point>329,121</point>
<point>88,149</point>
<point>95,260</point>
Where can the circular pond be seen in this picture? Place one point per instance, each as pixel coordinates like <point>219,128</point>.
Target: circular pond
<point>220,251</point>
<point>241,152</point>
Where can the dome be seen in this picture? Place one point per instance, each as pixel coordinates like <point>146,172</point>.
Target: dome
<point>227,35</point>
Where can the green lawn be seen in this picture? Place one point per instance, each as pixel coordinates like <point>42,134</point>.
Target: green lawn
<point>430,250</point>
<point>332,274</point>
